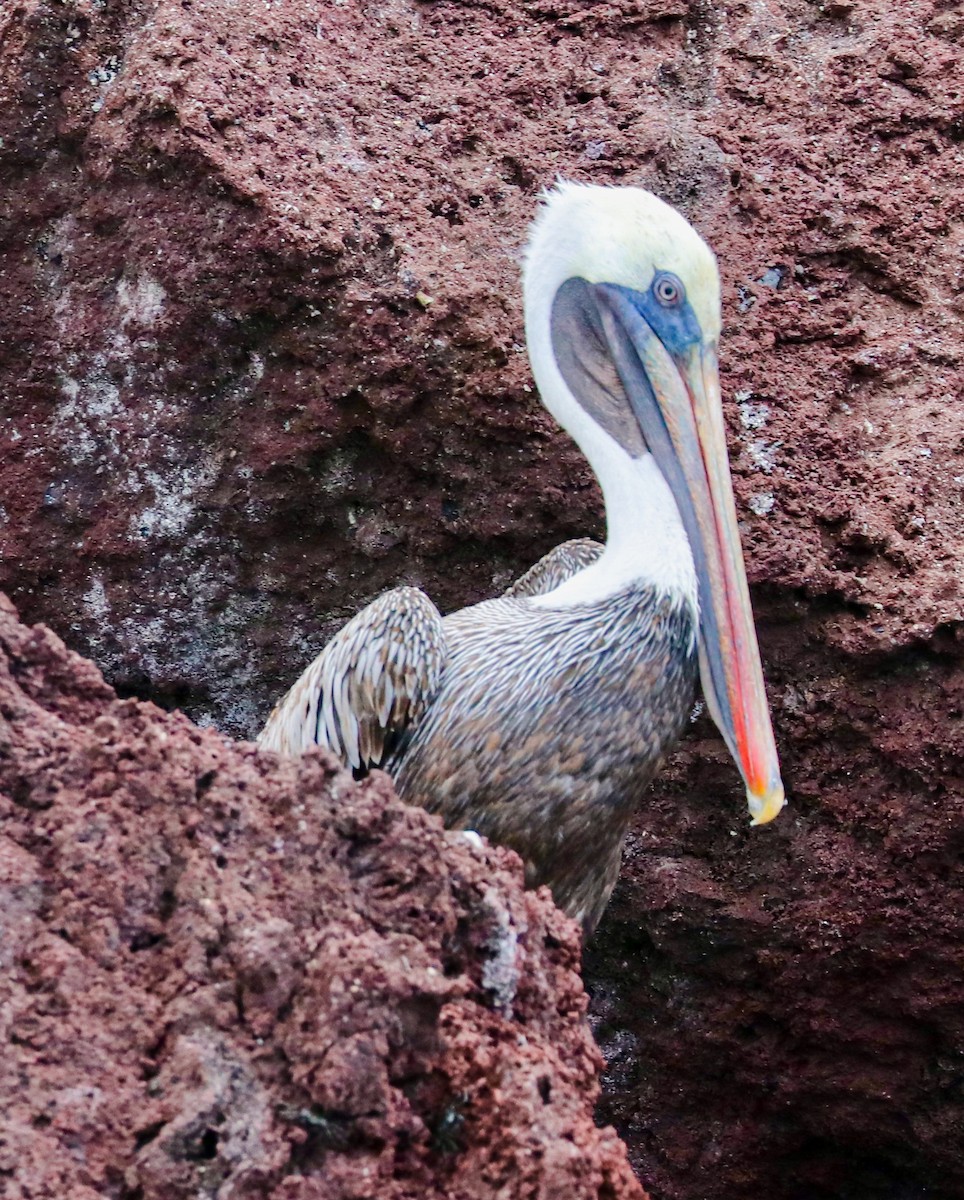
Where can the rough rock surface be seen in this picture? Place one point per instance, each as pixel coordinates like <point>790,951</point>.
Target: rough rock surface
<point>260,357</point>
<point>226,974</point>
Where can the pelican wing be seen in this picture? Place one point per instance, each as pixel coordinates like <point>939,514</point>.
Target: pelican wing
<point>556,567</point>
<point>369,685</point>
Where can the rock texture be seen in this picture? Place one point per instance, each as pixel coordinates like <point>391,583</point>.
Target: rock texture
<point>261,357</point>
<point>227,975</point>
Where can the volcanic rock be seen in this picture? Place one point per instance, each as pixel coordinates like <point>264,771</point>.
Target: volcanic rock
<point>261,357</point>
<point>227,974</point>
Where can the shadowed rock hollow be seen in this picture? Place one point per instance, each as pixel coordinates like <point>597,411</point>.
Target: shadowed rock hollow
<point>227,975</point>
<point>260,354</point>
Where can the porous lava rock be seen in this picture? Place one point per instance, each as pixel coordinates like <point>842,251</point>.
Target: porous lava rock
<point>261,357</point>
<point>222,974</point>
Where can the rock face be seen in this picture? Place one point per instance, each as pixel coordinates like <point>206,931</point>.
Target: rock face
<point>227,975</point>
<point>260,357</point>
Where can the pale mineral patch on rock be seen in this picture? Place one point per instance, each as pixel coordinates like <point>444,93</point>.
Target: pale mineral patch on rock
<point>141,302</point>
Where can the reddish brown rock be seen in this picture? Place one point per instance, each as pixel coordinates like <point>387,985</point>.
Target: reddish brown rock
<point>226,974</point>
<point>260,358</point>
<point>263,344</point>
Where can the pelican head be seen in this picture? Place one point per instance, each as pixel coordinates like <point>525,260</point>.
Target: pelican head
<point>623,324</point>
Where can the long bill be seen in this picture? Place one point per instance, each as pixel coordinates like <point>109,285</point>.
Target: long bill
<point>676,400</point>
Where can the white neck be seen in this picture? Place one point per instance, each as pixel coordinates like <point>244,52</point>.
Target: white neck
<point>645,544</point>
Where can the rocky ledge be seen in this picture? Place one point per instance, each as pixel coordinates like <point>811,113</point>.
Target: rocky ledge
<point>225,974</point>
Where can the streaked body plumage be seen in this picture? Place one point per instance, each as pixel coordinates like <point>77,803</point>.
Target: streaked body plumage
<point>525,723</point>
<point>536,739</point>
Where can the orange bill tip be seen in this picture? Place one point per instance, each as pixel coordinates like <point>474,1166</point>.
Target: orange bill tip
<point>765,805</point>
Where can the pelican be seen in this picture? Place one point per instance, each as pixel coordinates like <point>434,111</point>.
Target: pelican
<point>537,718</point>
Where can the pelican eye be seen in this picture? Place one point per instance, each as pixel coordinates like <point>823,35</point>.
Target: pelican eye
<point>668,290</point>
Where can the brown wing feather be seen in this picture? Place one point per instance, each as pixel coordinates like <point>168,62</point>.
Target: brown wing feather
<point>369,685</point>
<point>556,567</point>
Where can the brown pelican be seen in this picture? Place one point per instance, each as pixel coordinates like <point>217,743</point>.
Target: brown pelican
<point>537,718</point>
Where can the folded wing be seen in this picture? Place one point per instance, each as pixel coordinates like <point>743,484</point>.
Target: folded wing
<point>368,687</point>
<point>556,567</point>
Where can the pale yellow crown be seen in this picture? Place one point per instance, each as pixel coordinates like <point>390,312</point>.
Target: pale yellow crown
<point>619,235</point>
